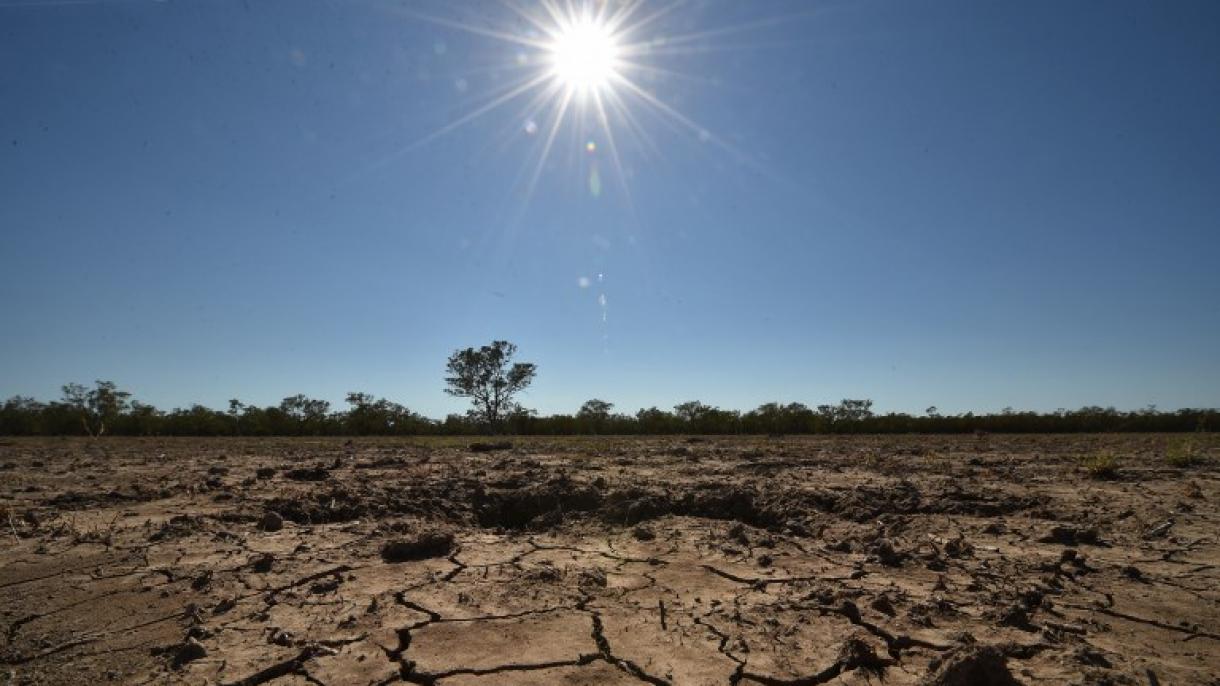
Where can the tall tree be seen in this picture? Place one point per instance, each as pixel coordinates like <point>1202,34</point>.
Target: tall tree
<point>594,414</point>
<point>97,406</point>
<point>490,379</point>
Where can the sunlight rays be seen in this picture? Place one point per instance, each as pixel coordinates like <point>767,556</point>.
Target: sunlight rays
<point>583,60</point>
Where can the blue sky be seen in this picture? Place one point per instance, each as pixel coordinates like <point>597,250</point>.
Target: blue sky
<point>962,204</point>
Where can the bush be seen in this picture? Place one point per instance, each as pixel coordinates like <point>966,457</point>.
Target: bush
<point>1183,453</point>
<point>1100,465</point>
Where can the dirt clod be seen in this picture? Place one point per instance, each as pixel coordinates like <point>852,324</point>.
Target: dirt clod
<point>271,521</point>
<point>1071,536</point>
<point>316,473</point>
<point>263,563</point>
<point>189,651</point>
<point>857,653</point>
<point>422,546</point>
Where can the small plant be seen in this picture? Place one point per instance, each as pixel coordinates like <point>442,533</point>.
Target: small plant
<point>1183,453</point>
<point>1100,465</point>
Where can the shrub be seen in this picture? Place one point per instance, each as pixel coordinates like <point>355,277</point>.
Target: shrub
<point>1100,465</point>
<point>1183,453</point>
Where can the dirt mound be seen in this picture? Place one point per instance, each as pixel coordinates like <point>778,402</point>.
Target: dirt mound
<point>745,504</point>
<point>865,503</point>
<point>478,447</point>
<point>538,506</point>
<point>315,473</point>
<point>75,500</point>
<point>322,508</point>
<point>971,666</point>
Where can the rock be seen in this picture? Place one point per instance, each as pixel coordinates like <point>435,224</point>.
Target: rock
<point>265,472</point>
<point>271,521</point>
<point>425,545</point>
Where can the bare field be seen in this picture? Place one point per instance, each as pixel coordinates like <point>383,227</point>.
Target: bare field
<point>666,560</point>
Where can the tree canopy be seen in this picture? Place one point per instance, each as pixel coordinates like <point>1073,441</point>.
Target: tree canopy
<point>490,378</point>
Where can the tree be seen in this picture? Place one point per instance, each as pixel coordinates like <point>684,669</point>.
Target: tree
<point>104,403</point>
<point>595,413</point>
<point>692,411</point>
<point>235,408</point>
<point>489,378</point>
<point>656,421</point>
<point>378,416</point>
<point>774,418</point>
<point>308,413</point>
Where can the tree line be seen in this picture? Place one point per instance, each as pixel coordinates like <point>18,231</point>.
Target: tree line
<point>105,409</point>
<point>490,379</point>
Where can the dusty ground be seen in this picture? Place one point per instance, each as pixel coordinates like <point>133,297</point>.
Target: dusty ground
<point>946,560</point>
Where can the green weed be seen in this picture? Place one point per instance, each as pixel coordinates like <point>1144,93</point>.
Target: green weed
<point>1183,453</point>
<point>1100,465</point>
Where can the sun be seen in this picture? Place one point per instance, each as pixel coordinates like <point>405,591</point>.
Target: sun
<point>588,68</point>
<point>584,55</point>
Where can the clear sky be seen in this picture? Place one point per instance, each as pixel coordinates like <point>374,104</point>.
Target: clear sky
<point>955,203</point>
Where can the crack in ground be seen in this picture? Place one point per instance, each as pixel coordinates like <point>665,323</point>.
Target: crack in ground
<point>85,640</point>
<point>603,645</point>
<point>759,582</point>
<point>428,679</point>
<point>1192,633</point>
<point>293,665</point>
<point>16,625</point>
<point>722,648</point>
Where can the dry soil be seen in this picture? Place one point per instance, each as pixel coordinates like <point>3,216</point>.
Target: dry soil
<point>782,560</point>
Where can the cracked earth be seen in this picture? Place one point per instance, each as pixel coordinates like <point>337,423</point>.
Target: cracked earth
<point>773,561</point>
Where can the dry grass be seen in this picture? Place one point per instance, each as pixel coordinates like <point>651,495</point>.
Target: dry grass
<point>1183,453</point>
<point>1102,464</point>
